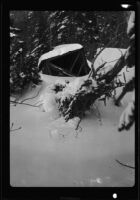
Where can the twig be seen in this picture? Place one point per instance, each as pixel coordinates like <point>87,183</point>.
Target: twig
<point>100,67</point>
<point>16,129</point>
<point>129,86</point>
<point>93,61</point>
<point>124,77</point>
<point>23,103</point>
<point>12,125</point>
<point>30,97</point>
<point>121,52</point>
<point>125,165</point>
<point>62,70</point>
<point>77,126</point>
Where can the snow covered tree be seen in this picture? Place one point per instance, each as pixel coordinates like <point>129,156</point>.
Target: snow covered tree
<point>128,116</point>
<point>75,27</point>
<point>16,59</point>
<point>75,104</point>
<point>23,70</point>
<point>112,24</point>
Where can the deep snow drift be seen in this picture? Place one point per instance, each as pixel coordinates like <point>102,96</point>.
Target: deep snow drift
<point>47,151</point>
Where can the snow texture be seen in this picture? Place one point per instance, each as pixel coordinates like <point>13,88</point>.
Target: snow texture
<point>127,117</point>
<point>131,22</point>
<point>114,55</point>
<point>13,35</point>
<point>46,153</point>
<point>59,50</point>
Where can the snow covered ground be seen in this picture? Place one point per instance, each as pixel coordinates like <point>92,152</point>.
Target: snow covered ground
<point>46,151</point>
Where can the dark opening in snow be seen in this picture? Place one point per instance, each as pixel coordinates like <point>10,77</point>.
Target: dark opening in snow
<point>72,63</point>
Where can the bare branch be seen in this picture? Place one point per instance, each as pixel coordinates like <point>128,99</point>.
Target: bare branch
<point>125,165</point>
<point>127,88</point>
<point>23,103</point>
<point>93,61</point>
<point>78,124</point>
<point>12,125</point>
<point>110,75</point>
<point>100,67</point>
<point>30,97</point>
<point>15,129</point>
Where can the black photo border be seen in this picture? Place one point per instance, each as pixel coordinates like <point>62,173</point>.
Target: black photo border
<point>8,192</point>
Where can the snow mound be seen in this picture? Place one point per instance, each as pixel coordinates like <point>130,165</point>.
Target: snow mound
<point>47,102</point>
<point>109,55</point>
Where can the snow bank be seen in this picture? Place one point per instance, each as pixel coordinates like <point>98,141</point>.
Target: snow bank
<point>59,50</point>
<point>109,55</point>
<point>47,100</point>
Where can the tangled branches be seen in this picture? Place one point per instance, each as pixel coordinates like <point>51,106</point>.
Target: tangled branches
<point>76,104</point>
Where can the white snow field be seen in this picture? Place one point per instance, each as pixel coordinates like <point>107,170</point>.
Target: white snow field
<point>48,152</point>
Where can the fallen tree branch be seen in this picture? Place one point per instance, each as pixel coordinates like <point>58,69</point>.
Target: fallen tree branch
<point>110,75</point>
<point>77,126</point>
<point>30,97</point>
<point>15,128</point>
<point>22,103</point>
<point>93,61</point>
<point>125,165</point>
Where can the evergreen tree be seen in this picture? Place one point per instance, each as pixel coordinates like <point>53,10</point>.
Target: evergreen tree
<point>23,70</point>
<point>127,118</point>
